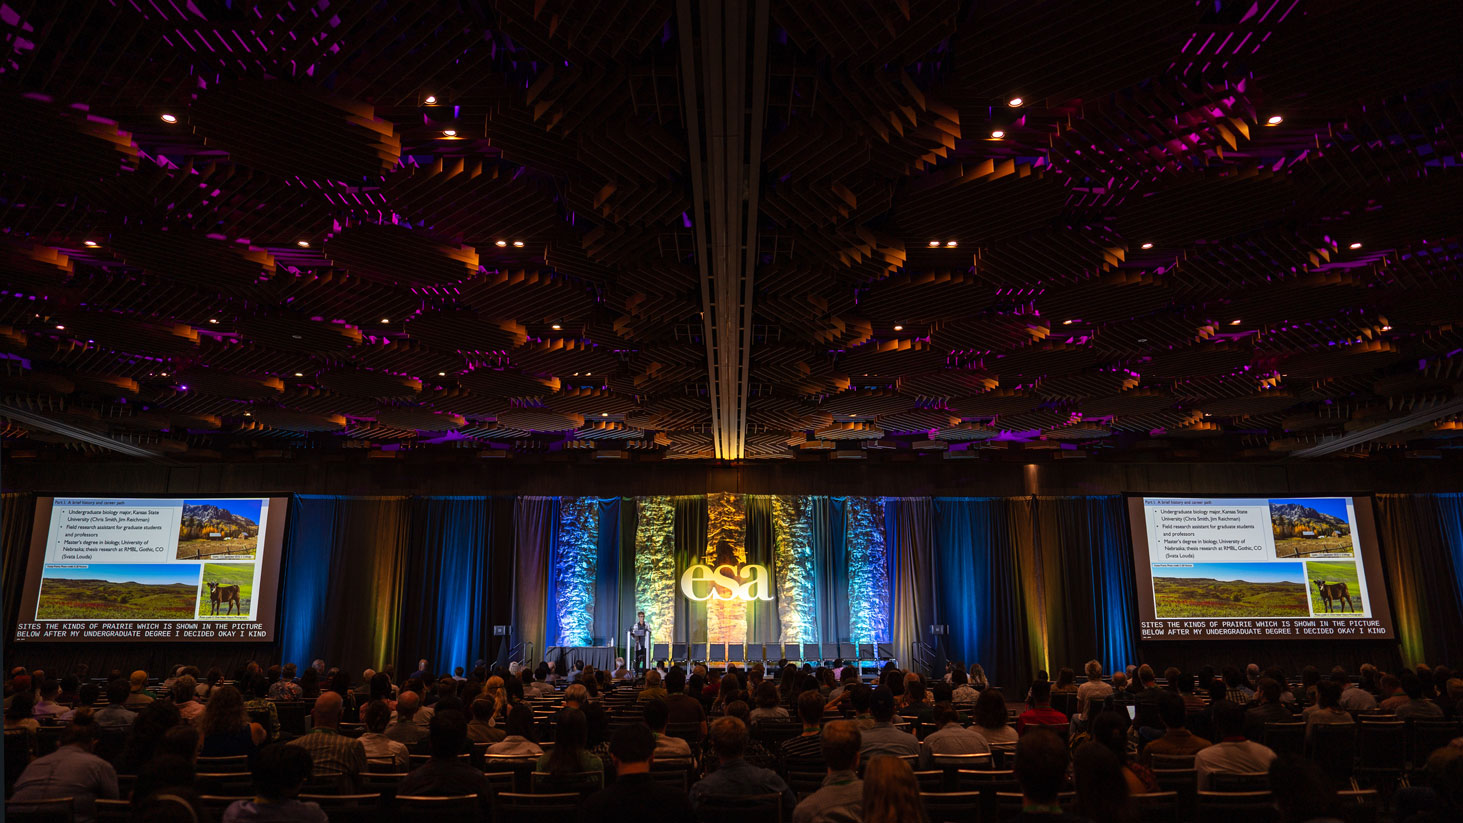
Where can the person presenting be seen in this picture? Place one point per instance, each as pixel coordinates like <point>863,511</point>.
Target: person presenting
<point>640,634</point>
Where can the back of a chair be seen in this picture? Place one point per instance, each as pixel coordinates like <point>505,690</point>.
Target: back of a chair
<point>292,716</point>
<point>724,808</point>
<point>1382,746</point>
<point>1065,702</point>
<point>224,765</point>
<point>516,807</point>
<point>215,804</point>
<point>689,732</point>
<point>804,783</point>
<point>1333,747</point>
<point>584,783</point>
<point>933,780</point>
<point>1359,805</point>
<point>340,803</point>
<point>521,767</point>
<point>1232,782</point>
<point>776,731</point>
<point>677,778</point>
<point>113,811</point>
<point>1427,736</point>
<point>420,809</point>
<point>234,784</point>
<point>1285,738</point>
<point>49,810</point>
<point>951,807</point>
<point>952,763</point>
<point>383,783</point>
<point>1157,807</point>
<point>1226,807</point>
<point>1172,761</point>
<point>1008,804</point>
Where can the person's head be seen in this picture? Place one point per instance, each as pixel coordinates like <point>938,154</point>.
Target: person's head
<point>1252,672</point>
<point>1146,676</point>
<point>448,732</point>
<point>377,716</point>
<point>319,666</point>
<point>483,709</point>
<point>1328,694</point>
<point>1444,772</point>
<point>1041,765</point>
<point>1102,789</point>
<point>1110,728</point>
<point>183,689</point>
<point>944,715</point>
<point>521,722</point>
<point>326,713</point>
<point>958,677</point>
<point>87,695</point>
<point>1185,683</point>
<point>1233,678</point>
<point>288,671</point>
<point>81,731</point>
<point>914,688</point>
<point>138,680</point>
<point>652,679</point>
<point>1119,681</point>
<point>181,740</point>
<point>640,616</point>
<point>1229,718</point>
<point>632,748</point>
<point>675,680</point>
<point>657,714</point>
<point>576,695</point>
<point>1412,686</point>
<point>1267,690</point>
<point>841,743</point>
<point>22,705</point>
<point>1093,670</point>
<point>1171,676</point>
<point>1301,790</point>
<point>1066,677</point>
<point>1390,684</point>
<point>280,771</point>
<point>1041,692</point>
<point>862,698</point>
<point>407,704</point>
<point>891,794</point>
<point>990,710</point>
<point>881,706</point>
<point>740,710</point>
<point>810,708</point>
<point>224,712</point>
<point>117,691</point>
<point>50,689</point>
<point>1172,711</point>
<point>728,738</point>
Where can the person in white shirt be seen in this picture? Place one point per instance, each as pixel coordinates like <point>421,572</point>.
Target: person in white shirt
<point>47,705</point>
<point>1094,688</point>
<point>520,740</point>
<point>950,738</point>
<point>963,692</point>
<point>657,714</point>
<point>185,696</point>
<point>379,747</point>
<point>1233,753</point>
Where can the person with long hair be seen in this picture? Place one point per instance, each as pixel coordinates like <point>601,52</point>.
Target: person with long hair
<point>1111,730</point>
<point>211,681</point>
<point>990,718</point>
<point>522,738</point>
<point>381,689</point>
<point>148,730</point>
<point>1102,786</point>
<point>769,706</point>
<point>20,714</point>
<point>729,691</point>
<point>1066,682</point>
<point>891,794</point>
<point>570,753</point>
<point>227,730</point>
<point>310,683</point>
<point>978,679</point>
<point>254,688</point>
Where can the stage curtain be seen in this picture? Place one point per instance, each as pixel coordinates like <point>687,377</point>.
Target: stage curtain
<point>17,510</point>
<point>830,570</point>
<point>690,543</point>
<point>344,576</point>
<point>605,628</point>
<point>763,622</point>
<point>978,586</point>
<point>444,616</point>
<point>535,524</point>
<point>572,575</point>
<point>1422,552</point>
<point>1086,569</point>
<point>625,588</point>
<point>910,546</point>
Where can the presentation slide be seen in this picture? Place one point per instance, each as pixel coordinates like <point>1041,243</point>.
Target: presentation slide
<point>1253,567</point>
<point>175,568</point>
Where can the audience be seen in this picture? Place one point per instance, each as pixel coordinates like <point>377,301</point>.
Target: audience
<point>990,719</point>
<point>881,737</point>
<point>1269,709</point>
<point>807,746</point>
<point>1103,790</point>
<point>70,771</point>
<point>225,726</point>
<point>950,737</point>
<point>666,748</point>
<point>1233,752</point>
<point>1326,711</point>
<point>570,754</point>
<point>734,776</point>
<point>333,754</point>
<point>1176,740</point>
<point>410,724</point>
<point>521,740</point>
<point>634,792</point>
<point>1041,712</point>
<point>280,772</point>
<point>116,713</point>
<point>1416,706</point>
<point>380,749</point>
<point>445,774</point>
<point>1041,769</point>
<point>1093,689</point>
<point>840,797</point>
<point>891,794</point>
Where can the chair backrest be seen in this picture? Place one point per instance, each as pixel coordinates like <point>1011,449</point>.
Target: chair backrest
<point>414,808</point>
<point>1172,761</point>
<point>1427,736</point>
<point>1333,747</point>
<point>1157,806</point>
<point>1382,746</point>
<point>1288,737</point>
<point>1231,782</point>
<point>975,762</point>
<point>677,778</point>
<point>804,783</point>
<point>216,804</point>
<point>582,782</point>
<point>49,810</point>
<point>689,732</point>
<point>224,765</point>
<point>1225,807</point>
<point>235,784</point>
<point>113,811</point>
<point>951,807</point>
<point>344,802</point>
<point>292,714</point>
<point>1359,805</point>
<point>738,808</point>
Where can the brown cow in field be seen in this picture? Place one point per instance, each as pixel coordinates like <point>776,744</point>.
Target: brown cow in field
<point>1334,592</point>
<point>228,595</point>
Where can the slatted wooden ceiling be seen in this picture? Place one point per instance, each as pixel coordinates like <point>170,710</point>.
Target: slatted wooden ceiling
<point>396,227</point>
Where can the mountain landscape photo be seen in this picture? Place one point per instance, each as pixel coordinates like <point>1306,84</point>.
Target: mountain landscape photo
<point>218,528</point>
<point>118,593</point>
<point>1311,527</point>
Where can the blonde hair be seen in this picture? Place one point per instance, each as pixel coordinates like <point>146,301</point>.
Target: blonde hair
<point>891,794</point>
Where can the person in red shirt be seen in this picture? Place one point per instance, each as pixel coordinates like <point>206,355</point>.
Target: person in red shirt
<point>1041,712</point>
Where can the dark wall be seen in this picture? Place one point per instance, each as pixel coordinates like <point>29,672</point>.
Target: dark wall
<point>926,476</point>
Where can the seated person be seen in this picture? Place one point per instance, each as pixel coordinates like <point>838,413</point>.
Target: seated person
<point>522,739</point>
<point>1268,709</point>
<point>1327,711</point>
<point>633,792</point>
<point>446,774</point>
<point>571,747</point>
<point>1176,740</point>
<point>841,795</point>
<point>280,772</point>
<point>881,737</point>
<point>481,729</point>
<point>1041,771</point>
<point>1041,712</point>
<point>1417,706</point>
<point>666,748</point>
<point>769,705</point>
<point>70,771</point>
<point>1233,752</point>
<point>116,713</point>
<point>409,725</point>
<point>950,737</point>
<point>734,776</point>
<point>807,746</point>
<point>381,749</point>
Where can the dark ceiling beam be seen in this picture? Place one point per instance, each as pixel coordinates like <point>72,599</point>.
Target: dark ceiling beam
<point>44,423</point>
<point>724,127</point>
<point>1426,414</point>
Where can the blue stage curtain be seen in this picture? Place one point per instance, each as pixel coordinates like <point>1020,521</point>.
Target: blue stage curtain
<point>535,526</point>
<point>763,623</point>
<point>911,562</point>
<point>343,580</point>
<point>978,586</point>
<point>830,570</point>
<point>17,511</point>
<point>1422,552</point>
<point>606,627</point>
<point>444,615</point>
<point>1088,591</point>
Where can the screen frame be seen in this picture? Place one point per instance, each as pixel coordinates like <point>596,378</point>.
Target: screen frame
<point>1371,563</point>
<point>269,573</point>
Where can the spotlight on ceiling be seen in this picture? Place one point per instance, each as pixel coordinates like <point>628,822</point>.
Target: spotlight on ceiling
<point>1275,120</point>
<point>431,100</point>
<point>1066,322</point>
<point>934,244</point>
<point>1015,102</point>
<point>91,244</point>
<point>604,414</point>
<point>385,320</point>
<point>449,132</point>
<point>556,327</point>
<point>950,244</point>
<point>998,134</point>
<point>1355,246</point>
<point>1235,322</point>
<point>898,327</point>
<point>1386,328</point>
<point>501,243</point>
<point>60,327</point>
<point>213,320</point>
<point>170,118</point>
<point>441,374</point>
<point>299,374</point>
<point>1147,245</point>
<point>517,244</point>
<point>304,244</point>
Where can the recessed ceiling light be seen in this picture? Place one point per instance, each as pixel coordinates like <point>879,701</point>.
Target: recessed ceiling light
<point>431,99</point>
<point>1355,245</point>
<point>162,374</point>
<point>299,374</point>
<point>589,374</point>
<point>556,327</point>
<point>91,244</point>
<point>898,328</point>
<point>213,320</point>
<point>1066,322</point>
<point>501,243</point>
<point>517,244</point>
<point>950,244</point>
<point>1147,245</point>
<point>170,118</point>
<point>1014,102</point>
<point>60,327</point>
<point>449,132</point>
<point>934,243</point>
<point>304,244</point>
<point>1275,120</point>
<point>1386,328</point>
<point>998,134</point>
<point>385,320</point>
<point>1142,340</point>
<point>296,337</point>
<point>1235,322</point>
<point>182,388</point>
<point>441,374</point>
<point>604,414</point>
<point>248,414</point>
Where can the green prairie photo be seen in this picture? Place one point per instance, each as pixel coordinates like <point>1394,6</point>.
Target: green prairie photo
<point>118,592</point>
<point>1339,580</point>
<point>1242,590</point>
<point>235,591</point>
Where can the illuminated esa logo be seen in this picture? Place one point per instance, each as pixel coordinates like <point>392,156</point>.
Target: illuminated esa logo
<point>726,582</point>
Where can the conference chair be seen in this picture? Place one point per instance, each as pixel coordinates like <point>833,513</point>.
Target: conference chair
<point>952,807</point>
<point>738,808</point>
<point>584,783</point>
<point>48,739</point>
<point>516,807</point>
<point>813,653</point>
<point>736,653</point>
<point>113,811</point>
<point>293,715</point>
<point>17,755</point>
<point>520,766</point>
<point>1381,751</point>
<point>1171,761</point>
<point>1185,783</point>
<point>776,731</point>
<point>422,759</point>
<point>238,764</point>
<point>419,809</point>
<point>1008,804</point>
<point>382,783</point>
<point>1427,736</point>
<point>948,765</point>
<point>1157,807</point>
<point>214,804</point>
<point>673,773</point>
<point>235,784</point>
<point>1285,738</point>
<point>1239,782</point>
<point>1360,805</point>
<point>49,810</point>
<point>804,782</point>
<point>341,808</point>
<point>931,780</point>
<point>1227,807</point>
<point>1333,748</point>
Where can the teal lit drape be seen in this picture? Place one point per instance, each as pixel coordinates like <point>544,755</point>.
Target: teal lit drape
<point>573,559</point>
<point>690,547</point>
<point>830,570</point>
<point>1089,594</point>
<point>1422,551</point>
<point>445,612</point>
<point>535,524</point>
<point>979,585</point>
<point>763,621</point>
